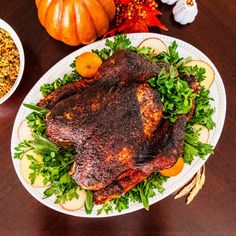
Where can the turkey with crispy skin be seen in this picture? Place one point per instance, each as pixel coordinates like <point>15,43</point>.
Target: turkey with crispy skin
<point>115,123</point>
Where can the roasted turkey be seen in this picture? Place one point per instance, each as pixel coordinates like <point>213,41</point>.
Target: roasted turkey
<point>116,125</point>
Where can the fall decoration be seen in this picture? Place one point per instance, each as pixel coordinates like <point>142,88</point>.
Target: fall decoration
<point>135,16</point>
<point>87,64</point>
<point>76,21</point>
<point>169,2</point>
<point>193,187</point>
<point>185,11</point>
<point>199,183</point>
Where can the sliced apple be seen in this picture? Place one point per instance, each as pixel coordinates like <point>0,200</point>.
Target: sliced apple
<point>76,203</point>
<point>210,74</point>
<point>203,133</point>
<point>25,169</point>
<point>157,46</point>
<point>24,132</point>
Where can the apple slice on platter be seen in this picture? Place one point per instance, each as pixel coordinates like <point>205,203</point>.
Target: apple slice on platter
<point>157,46</point>
<point>210,74</point>
<point>26,170</point>
<point>75,203</point>
<point>24,132</point>
<point>203,133</point>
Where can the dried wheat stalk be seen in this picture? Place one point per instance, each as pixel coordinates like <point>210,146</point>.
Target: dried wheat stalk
<point>193,187</point>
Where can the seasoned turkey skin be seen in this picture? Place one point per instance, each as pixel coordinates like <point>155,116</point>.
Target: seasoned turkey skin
<point>165,148</point>
<point>115,123</point>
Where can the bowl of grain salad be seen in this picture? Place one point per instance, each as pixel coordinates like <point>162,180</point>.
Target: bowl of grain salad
<point>12,61</point>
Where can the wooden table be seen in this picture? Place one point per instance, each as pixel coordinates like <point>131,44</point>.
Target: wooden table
<point>213,210</point>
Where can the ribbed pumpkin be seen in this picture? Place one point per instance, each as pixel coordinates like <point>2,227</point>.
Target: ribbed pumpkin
<point>76,22</point>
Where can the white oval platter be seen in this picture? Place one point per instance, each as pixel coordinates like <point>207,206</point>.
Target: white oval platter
<point>217,91</point>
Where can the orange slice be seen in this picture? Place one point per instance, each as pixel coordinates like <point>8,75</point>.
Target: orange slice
<point>174,170</point>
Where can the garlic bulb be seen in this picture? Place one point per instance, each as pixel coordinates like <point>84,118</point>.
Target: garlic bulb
<point>169,2</point>
<point>185,11</point>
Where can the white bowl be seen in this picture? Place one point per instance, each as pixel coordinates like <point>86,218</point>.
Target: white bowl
<point>14,36</point>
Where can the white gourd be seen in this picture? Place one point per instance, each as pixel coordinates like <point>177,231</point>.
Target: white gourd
<point>169,2</point>
<point>185,11</point>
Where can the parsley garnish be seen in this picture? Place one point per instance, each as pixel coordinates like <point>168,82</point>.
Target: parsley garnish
<point>67,78</point>
<point>121,42</point>
<point>172,56</point>
<point>203,111</point>
<point>192,146</point>
<point>21,149</point>
<point>176,95</point>
<point>104,53</point>
<point>140,193</point>
<point>199,73</point>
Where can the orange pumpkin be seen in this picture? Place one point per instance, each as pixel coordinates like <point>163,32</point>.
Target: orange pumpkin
<point>76,22</point>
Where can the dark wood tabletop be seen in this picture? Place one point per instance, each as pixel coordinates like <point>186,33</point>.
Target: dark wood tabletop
<point>214,209</point>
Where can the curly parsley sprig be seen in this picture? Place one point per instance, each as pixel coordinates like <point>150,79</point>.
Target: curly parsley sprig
<point>58,83</point>
<point>203,110</point>
<point>176,95</point>
<point>140,193</point>
<point>193,147</point>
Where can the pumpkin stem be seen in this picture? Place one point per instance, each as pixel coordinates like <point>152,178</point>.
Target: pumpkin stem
<point>190,2</point>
